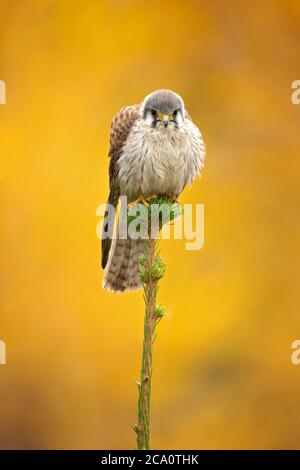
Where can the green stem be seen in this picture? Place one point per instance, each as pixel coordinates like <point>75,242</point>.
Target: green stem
<point>152,269</point>
<point>150,288</point>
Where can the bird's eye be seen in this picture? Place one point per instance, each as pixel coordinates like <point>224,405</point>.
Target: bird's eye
<point>153,112</point>
<point>175,112</point>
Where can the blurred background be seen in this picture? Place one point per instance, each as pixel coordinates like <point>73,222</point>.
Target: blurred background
<point>223,376</point>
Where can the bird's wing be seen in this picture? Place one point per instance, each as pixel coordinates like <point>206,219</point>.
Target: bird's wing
<point>120,128</point>
<point>198,162</point>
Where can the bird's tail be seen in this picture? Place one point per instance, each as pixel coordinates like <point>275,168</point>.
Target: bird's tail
<point>122,272</point>
<point>108,225</point>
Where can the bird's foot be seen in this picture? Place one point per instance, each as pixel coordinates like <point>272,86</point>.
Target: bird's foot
<point>150,199</point>
<point>175,200</point>
<point>143,200</point>
<point>133,203</point>
<point>146,201</point>
<point>171,197</point>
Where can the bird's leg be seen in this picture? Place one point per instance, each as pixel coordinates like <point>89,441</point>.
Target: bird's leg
<point>151,198</point>
<point>143,200</point>
<point>147,200</point>
<point>134,203</point>
<point>139,200</point>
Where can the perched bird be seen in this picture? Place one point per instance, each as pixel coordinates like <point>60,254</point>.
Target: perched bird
<point>155,149</point>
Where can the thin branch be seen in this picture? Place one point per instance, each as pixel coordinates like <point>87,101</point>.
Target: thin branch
<point>152,269</point>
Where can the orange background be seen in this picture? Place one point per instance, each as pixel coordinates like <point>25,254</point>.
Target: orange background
<point>223,376</point>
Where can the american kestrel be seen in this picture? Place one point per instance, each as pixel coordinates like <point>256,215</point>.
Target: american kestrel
<point>155,149</point>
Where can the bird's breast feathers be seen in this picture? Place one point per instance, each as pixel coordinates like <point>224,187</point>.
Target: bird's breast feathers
<point>160,161</point>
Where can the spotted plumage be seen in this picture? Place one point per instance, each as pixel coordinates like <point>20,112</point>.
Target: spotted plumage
<point>155,148</point>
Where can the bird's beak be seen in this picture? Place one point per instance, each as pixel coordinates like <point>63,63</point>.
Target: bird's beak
<point>165,118</point>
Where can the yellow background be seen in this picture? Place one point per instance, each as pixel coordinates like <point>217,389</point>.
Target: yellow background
<point>223,376</point>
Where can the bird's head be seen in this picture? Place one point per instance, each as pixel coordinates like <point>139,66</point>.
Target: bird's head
<point>163,109</point>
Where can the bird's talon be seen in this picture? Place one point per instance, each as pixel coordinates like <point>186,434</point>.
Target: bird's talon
<point>133,203</point>
<point>172,198</point>
<point>150,198</point>
<point>175,200</point>
<point>142,200</point>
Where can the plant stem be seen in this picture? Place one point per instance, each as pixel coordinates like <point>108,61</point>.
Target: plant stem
<point>152,269</point>
<point>150,321</point>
